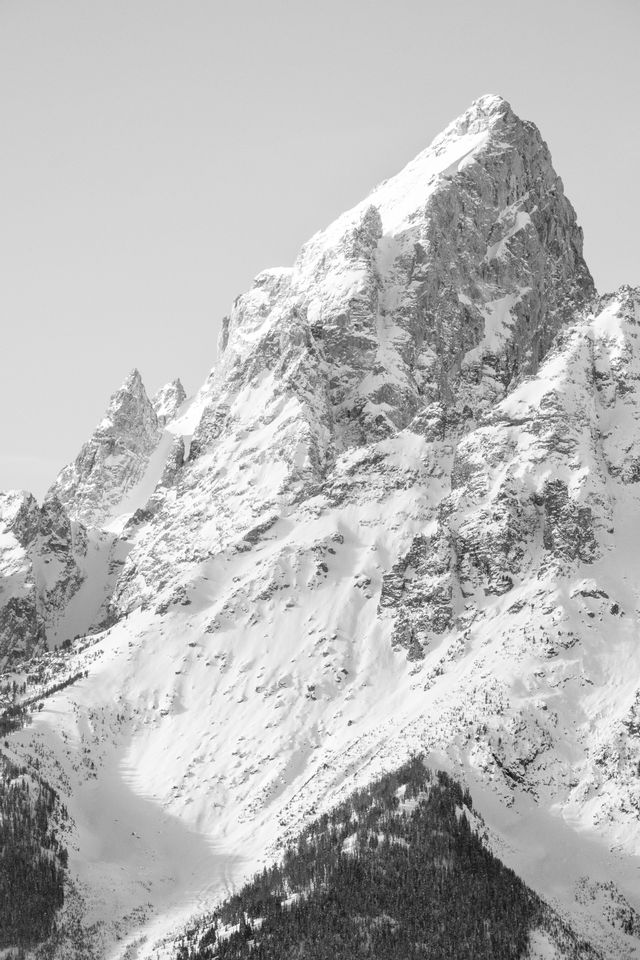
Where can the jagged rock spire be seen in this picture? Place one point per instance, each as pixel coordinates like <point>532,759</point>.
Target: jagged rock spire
<point>168,400</point>
<point>114,459</point>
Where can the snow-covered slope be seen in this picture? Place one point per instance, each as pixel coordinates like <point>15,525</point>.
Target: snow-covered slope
<point>399,515</point>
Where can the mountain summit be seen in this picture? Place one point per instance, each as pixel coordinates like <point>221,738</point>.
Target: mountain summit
<point>398,517</point>
<point>113,462</point>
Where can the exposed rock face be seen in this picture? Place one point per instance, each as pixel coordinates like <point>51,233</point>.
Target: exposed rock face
<point>167,401</point>
<point>59,563</point>
<point>404,517</point>
<point>449,281</point>
<point>46,560</point>
<point>57,553</point>
<point>418,308</point>
<point>115,459</point>
<point>21,628</point>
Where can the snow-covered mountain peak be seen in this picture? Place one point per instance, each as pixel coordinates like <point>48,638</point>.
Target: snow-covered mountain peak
<point>16,513</point>
<point>168,400</point>
<point>113,461</point>
<point>425,300</point>
<point>130,402</point>
<point>490,103</point>
<point>488,122</point>
<point>132,383</point>
<point>482,111</point>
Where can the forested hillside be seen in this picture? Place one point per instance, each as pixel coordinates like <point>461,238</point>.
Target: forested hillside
<point>397,871</point>
<point>32,859</point>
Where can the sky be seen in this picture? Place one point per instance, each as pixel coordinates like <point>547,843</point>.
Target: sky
<point>155,155</point>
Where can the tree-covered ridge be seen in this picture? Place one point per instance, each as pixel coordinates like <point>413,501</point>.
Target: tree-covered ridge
<point>395,872</point>
<point>32,860</point>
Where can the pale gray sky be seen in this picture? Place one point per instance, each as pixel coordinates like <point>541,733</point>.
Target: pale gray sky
<point>157,154</point>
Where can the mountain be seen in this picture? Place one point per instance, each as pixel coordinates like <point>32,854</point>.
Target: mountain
<point>117,464</point>
<point>59,562</point>
<point>55,576</point>
<point>398,870</point>
<point>397,518</point>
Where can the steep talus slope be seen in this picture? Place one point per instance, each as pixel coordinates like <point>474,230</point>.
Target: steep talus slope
<point>399,515</point>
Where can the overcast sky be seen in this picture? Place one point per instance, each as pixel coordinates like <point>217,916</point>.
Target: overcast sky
<point>157,154</point>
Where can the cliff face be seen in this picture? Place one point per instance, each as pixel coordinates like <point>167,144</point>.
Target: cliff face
<point>114,460</point>
<point>399,515</point>
<point>55,576</point>
<point>167,401</point>
<point>20,628</point>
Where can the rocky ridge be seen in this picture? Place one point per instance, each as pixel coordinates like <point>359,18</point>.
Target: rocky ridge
<point>399,515</point>
<point>49,552</point>
<point>55,576</point>
<point>114,461</point>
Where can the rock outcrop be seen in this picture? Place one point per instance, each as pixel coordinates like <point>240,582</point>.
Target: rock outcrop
<point>56,576</point>
<point>21,629</point>
<point>114,461</point>
<point>167,402</point>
